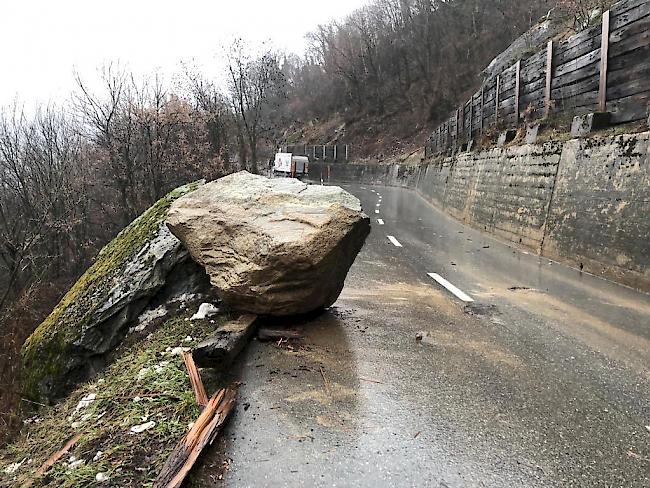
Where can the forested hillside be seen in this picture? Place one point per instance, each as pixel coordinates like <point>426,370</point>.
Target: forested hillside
<point>75,173</point>
<point>397,67</point>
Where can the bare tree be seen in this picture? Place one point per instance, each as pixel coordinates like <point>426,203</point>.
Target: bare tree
<point>253,83</point>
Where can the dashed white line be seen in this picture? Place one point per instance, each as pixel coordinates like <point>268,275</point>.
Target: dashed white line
<point>378,205</point>
<point>394,241</point>
<point>453,289</point>
<point>380,221</point>
<point>377,211</point>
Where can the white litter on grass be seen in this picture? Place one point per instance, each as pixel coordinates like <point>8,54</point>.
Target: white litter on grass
<point>158,368</point>
<point>74,463</point>
<point>137,429</point>
<point>85,401</point>
<point>177,351</point>
<point>98,455</point>
<point>147,317</point>
<point>205,310</point>
<point>190,425</point>
<point>188,339</point>
<point>143,372</point>
<point>12,468</point>
<point>101,477</point>
<point>647,428</point>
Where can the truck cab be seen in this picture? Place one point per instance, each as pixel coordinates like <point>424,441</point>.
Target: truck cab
<point>287,164</point>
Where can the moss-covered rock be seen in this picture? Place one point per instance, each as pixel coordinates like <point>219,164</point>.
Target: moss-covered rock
<point>91,317</point>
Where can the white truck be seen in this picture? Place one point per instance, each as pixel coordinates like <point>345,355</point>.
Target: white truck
<point>289,165</point>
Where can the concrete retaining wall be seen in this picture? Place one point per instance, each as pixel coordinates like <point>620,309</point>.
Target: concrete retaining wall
<point>585,201</point>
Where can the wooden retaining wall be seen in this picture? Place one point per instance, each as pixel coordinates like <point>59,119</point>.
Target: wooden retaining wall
<point>605,68</point>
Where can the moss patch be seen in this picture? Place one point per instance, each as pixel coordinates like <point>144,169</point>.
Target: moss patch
<point>45,353</point>
<point>145,383</point>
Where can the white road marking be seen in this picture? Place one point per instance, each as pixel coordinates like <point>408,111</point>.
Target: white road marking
<point>453,289</point>
<point>394,241</point>
<point>377,211</point>
<point>378,205</point>
<point>380,221</point>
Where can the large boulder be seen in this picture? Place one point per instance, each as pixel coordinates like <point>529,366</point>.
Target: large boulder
<point>271,246</point>
<point>92,317</point>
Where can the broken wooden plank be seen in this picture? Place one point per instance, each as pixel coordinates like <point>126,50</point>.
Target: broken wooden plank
<point>202,433</point>
<point>195,380</point>
<point>267,335</point>
<point>221,347</point>
<point>57,455</point>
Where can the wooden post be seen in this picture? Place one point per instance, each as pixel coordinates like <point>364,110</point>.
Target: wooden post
<point>496,101</point>
<point>604,54</point>
<point>346,153</point>
<point>549,79</point>
<point>324,152</point>
<point>471,117</point>
<point>335,146</point>
<point>517,90</point>
<point>482,105</point>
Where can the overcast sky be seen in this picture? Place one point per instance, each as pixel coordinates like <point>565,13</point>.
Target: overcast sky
<point>43,41</point>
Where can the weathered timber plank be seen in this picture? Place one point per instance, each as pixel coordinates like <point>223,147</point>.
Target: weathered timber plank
<point>535,68</point>
<point>533,97</point>
<point>584,86</point>
<point>588,71</point>
<point>631,41</point>
<point>220,348</point>
<point>625,83</point>
<point>619,20</point>
<point>578,63</point>
<point>629,109</point>
<point>589,99</point>
<point>626,5</point>
<point>578,44</point>
<point>534,86</point>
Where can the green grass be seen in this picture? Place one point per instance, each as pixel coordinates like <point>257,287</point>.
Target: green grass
<point>45,352</point>
<point>129,459</point>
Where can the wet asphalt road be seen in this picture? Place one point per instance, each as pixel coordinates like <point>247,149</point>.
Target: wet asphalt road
<point>543,380</point>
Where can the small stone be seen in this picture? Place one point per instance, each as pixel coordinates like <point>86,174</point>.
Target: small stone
<point>101,477</point>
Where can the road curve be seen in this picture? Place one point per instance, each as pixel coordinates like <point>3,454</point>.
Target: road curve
<point>450,360</point>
